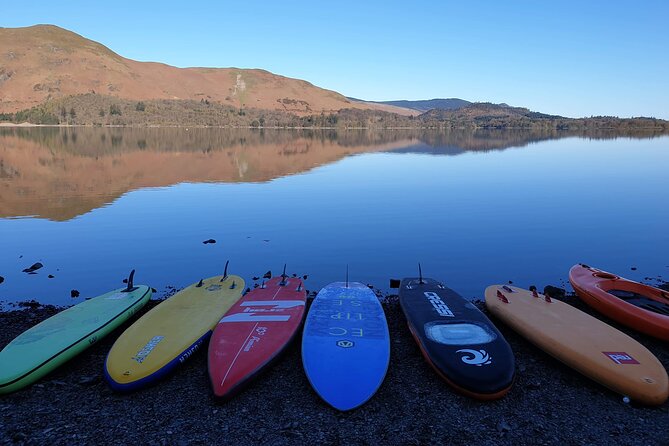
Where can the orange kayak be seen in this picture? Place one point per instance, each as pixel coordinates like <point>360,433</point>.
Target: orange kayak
<point>641,307</point>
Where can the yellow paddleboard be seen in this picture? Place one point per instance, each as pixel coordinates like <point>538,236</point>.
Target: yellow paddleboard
<point>582,342</point>
<point>170,333</point>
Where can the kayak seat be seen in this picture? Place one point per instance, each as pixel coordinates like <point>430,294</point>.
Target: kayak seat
<point>641,301</point>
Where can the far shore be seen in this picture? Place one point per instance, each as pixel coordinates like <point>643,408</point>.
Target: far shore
<point>430,129</point>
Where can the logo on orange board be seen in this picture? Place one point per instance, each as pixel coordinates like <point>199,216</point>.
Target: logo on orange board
<point>621,358</point>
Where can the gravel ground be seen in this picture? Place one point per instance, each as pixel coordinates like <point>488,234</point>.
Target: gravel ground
<point>549,403</point>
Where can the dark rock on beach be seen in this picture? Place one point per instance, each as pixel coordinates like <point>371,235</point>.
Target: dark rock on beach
<point>550,404</point>
<point>554,292</point>
<point>29,304</point>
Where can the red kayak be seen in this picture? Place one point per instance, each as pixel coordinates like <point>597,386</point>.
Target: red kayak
<point>254,332</point>
<point>641,307</point>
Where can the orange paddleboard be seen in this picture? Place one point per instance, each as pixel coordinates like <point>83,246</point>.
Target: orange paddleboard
<point>582,342</point>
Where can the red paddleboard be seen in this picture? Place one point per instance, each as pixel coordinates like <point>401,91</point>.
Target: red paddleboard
<point>254,332</point>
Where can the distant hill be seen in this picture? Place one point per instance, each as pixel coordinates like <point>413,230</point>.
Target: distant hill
<point>484,115</point>
<point>44,62</point>
<point>485,110</point>
<point>430,104</point>
<point>422,105</point>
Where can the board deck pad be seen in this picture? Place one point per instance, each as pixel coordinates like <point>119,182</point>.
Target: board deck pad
<point>457,339</point>
<point>582,342</point>
<point>52,342</point>
<point>346,344</point>
<point>254,332</point>
<point>170,333</point>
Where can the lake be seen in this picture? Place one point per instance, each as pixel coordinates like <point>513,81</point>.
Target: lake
<point>475,208</point>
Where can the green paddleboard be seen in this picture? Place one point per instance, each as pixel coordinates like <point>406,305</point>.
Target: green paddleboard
<point>56,340</point>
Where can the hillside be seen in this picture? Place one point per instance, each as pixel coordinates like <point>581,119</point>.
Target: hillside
<point>44,62</point>
<point>429,104</point>
<point>478,110</point>
<point>52,76</point>
<point>501,116</point>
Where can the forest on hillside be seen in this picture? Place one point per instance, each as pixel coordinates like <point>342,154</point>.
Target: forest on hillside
<point>99,110</point>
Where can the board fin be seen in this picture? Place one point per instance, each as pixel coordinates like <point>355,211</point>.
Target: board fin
<point>199,284</point>
<point>225,271</point>
<point>420,275</point>
<point>347,275</point>
<point>131,280</point>
<point>283,276</point>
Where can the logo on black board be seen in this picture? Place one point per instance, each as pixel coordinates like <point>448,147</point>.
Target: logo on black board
<point>475,357</point>
<point>345,344</point>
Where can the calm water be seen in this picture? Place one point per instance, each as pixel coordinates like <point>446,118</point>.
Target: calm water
<point>474,208</point>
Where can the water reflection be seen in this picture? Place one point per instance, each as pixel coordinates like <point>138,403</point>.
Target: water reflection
<point>105,201</point>
<point>60,173</point>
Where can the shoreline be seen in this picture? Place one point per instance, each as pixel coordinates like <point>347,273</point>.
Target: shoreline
<point>340,128</point>
<point>74,405</point>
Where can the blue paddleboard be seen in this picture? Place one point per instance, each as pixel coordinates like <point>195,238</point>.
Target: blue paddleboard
<point>346,345</point>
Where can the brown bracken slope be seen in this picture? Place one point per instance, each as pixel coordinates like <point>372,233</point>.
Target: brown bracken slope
<point>44,61</point>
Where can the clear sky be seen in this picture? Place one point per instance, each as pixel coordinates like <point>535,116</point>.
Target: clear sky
<point>573,58</point>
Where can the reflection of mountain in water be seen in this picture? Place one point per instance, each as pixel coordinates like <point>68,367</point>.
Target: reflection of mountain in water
<point>431,150</point>
<point>485,140</point>
<point>59,173</point>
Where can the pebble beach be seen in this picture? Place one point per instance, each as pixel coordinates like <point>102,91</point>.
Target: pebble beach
<point>549,403</point>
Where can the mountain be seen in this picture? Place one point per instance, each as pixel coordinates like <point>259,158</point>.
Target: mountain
<point>429,104</point>
<point>43,62</point>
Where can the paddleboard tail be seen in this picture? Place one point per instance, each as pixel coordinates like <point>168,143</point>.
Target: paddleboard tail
<point>159,374</point>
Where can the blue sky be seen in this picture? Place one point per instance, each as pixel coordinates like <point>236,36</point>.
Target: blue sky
<point>574,58</point>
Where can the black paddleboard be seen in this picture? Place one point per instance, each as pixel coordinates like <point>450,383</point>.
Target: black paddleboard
<point>457,339</point>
